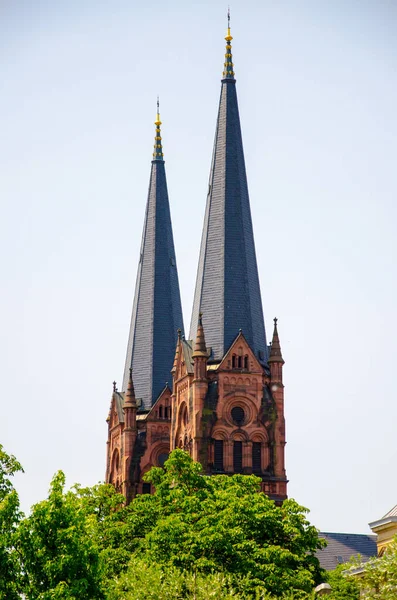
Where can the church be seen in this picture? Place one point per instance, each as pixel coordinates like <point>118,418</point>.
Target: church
<point>217,393</point>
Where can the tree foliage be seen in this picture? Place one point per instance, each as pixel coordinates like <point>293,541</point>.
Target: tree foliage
<point>151,581</point>
<point>374,580</point>
<point>224,524</point>
<point>378,577</point>
<point>195,537</point>
<point>58,548</point>
<point>344,586</point>
<point>10,515</point>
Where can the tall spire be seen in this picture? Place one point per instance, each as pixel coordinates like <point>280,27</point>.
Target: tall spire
<point>227,286</point>
<point>156,312</point>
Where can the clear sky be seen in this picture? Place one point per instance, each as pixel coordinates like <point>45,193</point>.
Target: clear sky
<point>317,89</point>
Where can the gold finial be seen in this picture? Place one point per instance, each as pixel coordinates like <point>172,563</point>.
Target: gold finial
<point>158,148</point>
<point>228,37</point>
<point>157,121</point>
<point>228,71</point>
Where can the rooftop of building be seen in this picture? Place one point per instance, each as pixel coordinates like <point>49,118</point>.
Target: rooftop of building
<point>341,547</point>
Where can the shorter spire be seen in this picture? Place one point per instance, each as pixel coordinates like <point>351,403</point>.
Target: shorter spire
<point>200,348</point>
<point>176,357</point>
<point>111,402</point>
<point>228,72</point>
<point>129,399</point>
<point>275,350</point>
<point>158,147</point>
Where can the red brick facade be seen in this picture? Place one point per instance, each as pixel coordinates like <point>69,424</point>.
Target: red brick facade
<point>228,415</point>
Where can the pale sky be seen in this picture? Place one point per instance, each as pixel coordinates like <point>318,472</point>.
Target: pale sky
<point>317,89</point>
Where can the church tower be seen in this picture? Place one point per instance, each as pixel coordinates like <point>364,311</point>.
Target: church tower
<point>226,405</point>
<point>139,416</point>
<point>228,394</point>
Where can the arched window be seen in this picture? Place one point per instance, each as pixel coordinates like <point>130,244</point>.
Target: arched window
<point>161,412</point>
<point>238,457</point>
<point>233,361</point>
<point>166,412</point>
<point>218,455</point>
<point>239,362</point>
<point>246,362</point>
<point>256,457</point>
<point>115,467</point>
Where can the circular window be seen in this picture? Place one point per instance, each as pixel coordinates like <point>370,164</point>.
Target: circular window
<point>238,415</point>
<point>162,458</point>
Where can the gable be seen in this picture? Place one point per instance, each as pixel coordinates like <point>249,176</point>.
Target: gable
<point>240,357</point>
<point>184,361</point>
<point>164,399</point>
<point>116,413</point>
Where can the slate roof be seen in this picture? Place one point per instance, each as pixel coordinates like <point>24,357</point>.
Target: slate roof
<point>227,286</point>
<point>156,312</point>
<point>119,399</point>
<point>187,347</point>
<point>342,546</point>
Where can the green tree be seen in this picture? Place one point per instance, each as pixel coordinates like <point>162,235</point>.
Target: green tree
<point>151,581</point>
<point>10,515</point>
<point>344,586</point>
<point>114,538</point>
<point>195,537</point>
<point>59,548</point>
<point>222,524</point>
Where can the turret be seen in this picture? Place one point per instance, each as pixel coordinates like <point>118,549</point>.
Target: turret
<point>200,389</point>
<point>129,436</point>
<point>176,357</point>
<point>130,406</point>
<point>200,354</point>
<point>107,475</point>
<point>276,360</point>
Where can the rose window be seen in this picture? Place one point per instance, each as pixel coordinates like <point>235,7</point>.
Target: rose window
<point>238,415</point>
